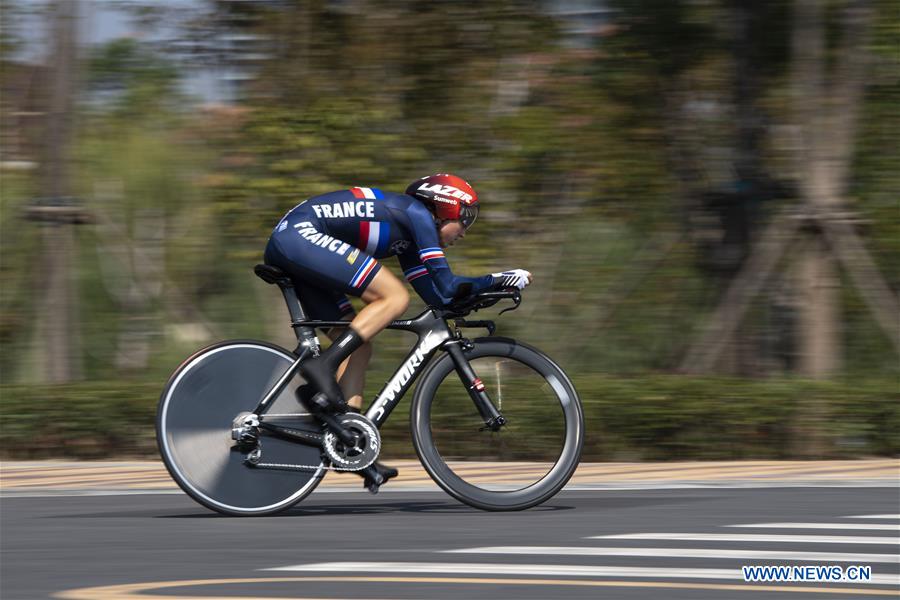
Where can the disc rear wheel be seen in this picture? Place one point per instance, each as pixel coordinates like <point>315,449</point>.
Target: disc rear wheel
<point>197,410</point>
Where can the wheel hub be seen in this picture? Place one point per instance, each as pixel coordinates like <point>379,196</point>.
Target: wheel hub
<point>245,430</point>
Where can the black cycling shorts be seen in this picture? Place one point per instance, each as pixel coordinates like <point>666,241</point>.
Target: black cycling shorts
<point>323,269</point>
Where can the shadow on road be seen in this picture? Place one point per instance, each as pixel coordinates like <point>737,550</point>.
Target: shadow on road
<point>448,507</point>
<point>321,507</point>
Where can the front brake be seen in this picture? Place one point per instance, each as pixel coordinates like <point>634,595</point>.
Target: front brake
<point>489,325</point>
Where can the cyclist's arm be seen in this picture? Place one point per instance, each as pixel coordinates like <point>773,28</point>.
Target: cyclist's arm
<point>425,238</point>
<point>417,275</point>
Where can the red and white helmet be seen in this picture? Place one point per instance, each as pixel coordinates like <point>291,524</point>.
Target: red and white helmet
<point>449,197</point>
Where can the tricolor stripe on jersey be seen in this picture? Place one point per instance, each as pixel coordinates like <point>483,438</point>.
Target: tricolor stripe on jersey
<point>431,253</point>
<point>373,236</point>
<point>344,305</point>
<point>370,193</point>
<point>415,272</point>
<point>364,270</point>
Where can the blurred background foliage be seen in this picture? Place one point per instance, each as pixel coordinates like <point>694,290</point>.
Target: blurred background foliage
<point>629,153</point>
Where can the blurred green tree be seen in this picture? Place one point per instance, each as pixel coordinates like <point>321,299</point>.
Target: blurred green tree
<point>629,172</point>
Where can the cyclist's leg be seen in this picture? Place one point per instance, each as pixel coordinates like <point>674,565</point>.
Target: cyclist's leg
<point>384,304</point>
<point>351,375</point>
<point>335,267</point>
<point>386,299</point>
<point>329,305</point>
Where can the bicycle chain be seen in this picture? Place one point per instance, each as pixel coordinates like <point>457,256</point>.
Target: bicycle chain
<point>291,467</point>
<point>285,415</point>
<point>294,467</point>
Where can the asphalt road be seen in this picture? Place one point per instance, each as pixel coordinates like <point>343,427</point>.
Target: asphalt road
<point>407,544</point>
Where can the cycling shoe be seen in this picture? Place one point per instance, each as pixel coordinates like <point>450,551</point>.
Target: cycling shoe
<point>376,475</point>
<point>321,379</point>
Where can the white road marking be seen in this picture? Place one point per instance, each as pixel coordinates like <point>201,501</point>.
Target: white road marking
<point>752,537</point>
<point>887,517</point>
<point>349,568</point>
<point>824,557</point>
<point>858,526</point>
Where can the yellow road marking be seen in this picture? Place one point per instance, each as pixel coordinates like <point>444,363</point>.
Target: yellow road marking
<point>647,468</point>
<point>154,485</point>
<point>738,473</point>
<point>135,591</point>
<point>825,470</point>
<point>147,475</point>
<point>886,470</point>
<point>735,468</point>
<point>601,469</point>
<point>88,480</point>
<point>8,470</point>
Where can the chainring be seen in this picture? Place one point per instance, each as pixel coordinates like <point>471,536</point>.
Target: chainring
<point>363,453</point>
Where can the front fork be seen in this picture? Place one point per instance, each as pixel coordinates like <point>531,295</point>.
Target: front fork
<point>493,420</point>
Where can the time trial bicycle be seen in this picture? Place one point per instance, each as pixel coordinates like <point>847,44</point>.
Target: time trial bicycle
<point>505,433</point>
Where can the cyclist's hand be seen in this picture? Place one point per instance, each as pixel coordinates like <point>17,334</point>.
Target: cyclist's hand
<point>517,278</point>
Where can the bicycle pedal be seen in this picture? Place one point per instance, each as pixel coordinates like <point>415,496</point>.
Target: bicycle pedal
<point>376,475</point>
<point>374,484</point>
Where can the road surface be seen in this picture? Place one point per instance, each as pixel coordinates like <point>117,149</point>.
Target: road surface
<point>104,531</point>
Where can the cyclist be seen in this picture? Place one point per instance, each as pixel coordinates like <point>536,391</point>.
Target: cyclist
<point>330,246</point>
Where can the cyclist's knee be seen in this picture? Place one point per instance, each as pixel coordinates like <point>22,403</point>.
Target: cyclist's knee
<point>398,296</point>
<point>400,302</point>
<point>388,289</point>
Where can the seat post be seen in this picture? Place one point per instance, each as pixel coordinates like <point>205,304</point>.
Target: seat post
<point>306,336</point>
<point>293,302</point>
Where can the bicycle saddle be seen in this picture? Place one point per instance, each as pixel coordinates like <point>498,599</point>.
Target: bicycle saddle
<point>272,275</point>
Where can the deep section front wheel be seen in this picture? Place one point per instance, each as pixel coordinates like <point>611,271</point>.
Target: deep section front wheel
<point>197,410</point>
<point>530,458</point>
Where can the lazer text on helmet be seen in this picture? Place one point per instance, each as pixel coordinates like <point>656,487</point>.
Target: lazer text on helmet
<point>446,190</point>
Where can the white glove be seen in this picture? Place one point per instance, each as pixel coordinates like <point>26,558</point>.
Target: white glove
<point>517,278</point>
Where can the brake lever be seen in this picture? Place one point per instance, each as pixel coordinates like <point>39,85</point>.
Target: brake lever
<point>517,300</point>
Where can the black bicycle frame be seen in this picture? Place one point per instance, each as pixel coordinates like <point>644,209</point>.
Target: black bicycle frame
<point>433,333</point>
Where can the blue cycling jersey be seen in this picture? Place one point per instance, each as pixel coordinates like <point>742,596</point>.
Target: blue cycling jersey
<point>378,224</point>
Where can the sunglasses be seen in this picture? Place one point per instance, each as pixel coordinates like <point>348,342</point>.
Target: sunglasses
<point>468,214</point>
